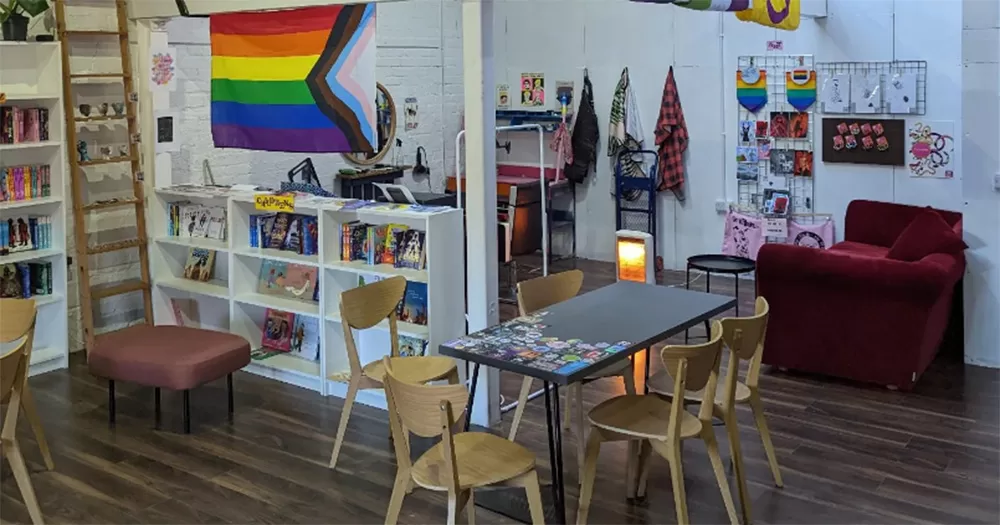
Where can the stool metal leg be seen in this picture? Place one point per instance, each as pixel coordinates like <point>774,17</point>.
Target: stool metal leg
<point>708,289</point>
<point>156,406</point>
<point>737,278</point>
<point>187,411</point>
<point>111,402</point>
<point>229,386</point>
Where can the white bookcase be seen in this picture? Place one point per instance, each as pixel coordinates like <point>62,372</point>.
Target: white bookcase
<point>31,77</point>
<point>230,301</point>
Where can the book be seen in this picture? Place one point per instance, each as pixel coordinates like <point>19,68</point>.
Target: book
<point>357,241</point>
<point>10,284</point>
<point>299,281</point>
<point>203,216</point>
<point>391,246</point>
<point>216,223</point>
<point>410,346</point>
<point>376,244</point>
<point>305,338</point>
<point>277,333</point>
<point>310,235</point>
<point>19,234</point>
<point>411,252</point>
<point>271,273</point>
<point>292,241</point>
<point>279,229</point>
<point>413,308</point>
<point>199,265</point>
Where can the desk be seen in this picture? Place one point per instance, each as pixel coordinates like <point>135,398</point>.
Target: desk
<point>570,341</point>
<point>361,185</point>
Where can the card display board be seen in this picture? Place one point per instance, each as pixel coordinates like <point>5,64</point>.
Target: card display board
<point>889,76</point>
<point>859,140</point>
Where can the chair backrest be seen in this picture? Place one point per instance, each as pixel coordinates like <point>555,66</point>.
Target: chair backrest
<point>542,292</point>
<point>366,306</point>
<point>17,323</point>
<point>693,368</point>
<point>427,411</point>
<point>745,338</point>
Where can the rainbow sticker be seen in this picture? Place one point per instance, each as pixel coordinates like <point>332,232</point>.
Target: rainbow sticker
<point>753,96</point>
<point>801,87</point>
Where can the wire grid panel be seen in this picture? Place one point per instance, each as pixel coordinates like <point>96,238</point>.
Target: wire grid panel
<point>800,189</point>
<point>885,72</point>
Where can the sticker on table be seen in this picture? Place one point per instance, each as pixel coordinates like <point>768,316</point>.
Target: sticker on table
<point>569,368</point>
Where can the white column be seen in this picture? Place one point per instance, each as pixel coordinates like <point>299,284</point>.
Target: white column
<point>481,190</point>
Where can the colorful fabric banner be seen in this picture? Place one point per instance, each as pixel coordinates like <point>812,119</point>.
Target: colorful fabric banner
<point>801,88</point>
<point>300,80</point>
<point>752,96</point>
<point>818,235</point>
<point>704,5</point>
<point>780,14</point>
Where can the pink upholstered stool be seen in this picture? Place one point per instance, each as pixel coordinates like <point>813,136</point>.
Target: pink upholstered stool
<point>174,357</point>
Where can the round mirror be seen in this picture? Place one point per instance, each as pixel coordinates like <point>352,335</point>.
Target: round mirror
<point>385,129</point>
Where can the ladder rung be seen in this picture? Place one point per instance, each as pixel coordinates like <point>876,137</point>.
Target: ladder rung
<point>112,160</point>
<point>97,75</point>
<point>88,32</point>
<point>94,119</point>
<point>115,246</point>
<point>104,291</point>
<point>104,205</point>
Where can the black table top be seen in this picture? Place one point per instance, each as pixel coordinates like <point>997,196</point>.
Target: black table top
<point>573,339</point>
<point>722,263</point>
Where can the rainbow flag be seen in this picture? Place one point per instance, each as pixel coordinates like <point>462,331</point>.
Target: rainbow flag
<point>752,96</point>
<point>301,80</point>
<point>801,88</point>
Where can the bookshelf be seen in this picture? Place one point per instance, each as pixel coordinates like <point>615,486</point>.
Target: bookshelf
<point>230,301</point>
<point>32,78</point>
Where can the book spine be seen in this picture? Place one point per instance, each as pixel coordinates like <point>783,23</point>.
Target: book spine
<point>254,231</point>
<point>48,232</point>
<point>3,184</point>
<point>48,278</point>
<point>43,118</point>
<point>24,272</point>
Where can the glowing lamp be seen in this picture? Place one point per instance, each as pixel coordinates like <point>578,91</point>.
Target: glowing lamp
<point>634,256</point>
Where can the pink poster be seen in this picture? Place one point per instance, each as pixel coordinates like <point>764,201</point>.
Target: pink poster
<point>819,235</point>
<point>744,235</point>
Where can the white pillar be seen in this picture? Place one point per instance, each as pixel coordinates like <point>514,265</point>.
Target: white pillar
<point>481,190</point>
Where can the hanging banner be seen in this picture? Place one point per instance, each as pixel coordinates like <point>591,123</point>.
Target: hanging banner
<point>751,88</point>
<point>800,85</point>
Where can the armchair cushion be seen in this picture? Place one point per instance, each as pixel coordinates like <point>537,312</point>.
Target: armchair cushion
<point>926,234</point>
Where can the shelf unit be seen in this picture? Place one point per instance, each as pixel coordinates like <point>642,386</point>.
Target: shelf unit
<point>230,301</point>
<point>32,77</point>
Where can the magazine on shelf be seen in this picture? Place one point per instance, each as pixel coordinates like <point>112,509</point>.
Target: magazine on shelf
<point>410,346</point>
<point>200,264</point>
<point>277,333</point>
<point>413,308</point>
<point>305,338</point>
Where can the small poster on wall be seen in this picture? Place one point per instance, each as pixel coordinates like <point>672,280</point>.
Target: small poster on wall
<point>835,96</point>
<point>901,93</point>
<point>532,90</point>
<point>166,141</point>
<point>866,97</point>
<point>864,141</point>
<point>930,149</point>
<point>503,96</point>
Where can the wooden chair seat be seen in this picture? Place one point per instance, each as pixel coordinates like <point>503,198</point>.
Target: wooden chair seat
<point>421,369</point>
<point>481,459</point>
<point>641,416</point>
<point>661,383</point>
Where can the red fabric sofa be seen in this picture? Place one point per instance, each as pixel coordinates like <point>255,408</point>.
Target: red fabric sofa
<point>851,311</point>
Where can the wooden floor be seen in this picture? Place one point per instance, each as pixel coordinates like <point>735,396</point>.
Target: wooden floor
<point>848,453</point>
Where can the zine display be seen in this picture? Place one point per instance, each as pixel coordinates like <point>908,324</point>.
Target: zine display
<point>185,219</point>
<point>277,332</point>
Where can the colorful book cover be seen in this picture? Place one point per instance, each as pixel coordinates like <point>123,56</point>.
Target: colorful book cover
<point>19,234</point>
<point>358,244</point>
<point>310,235</point>
<point>411,346</point>
<point>24,274</point>
<point>10,285</point>
<point>305,338</point>
<point>293,236</point>
<point>389,255</point>
<point>265,223</point>
<point>299,281</point>
<point>413,309</point>
<point>271,273</point>
<point>199,265</point>
<point>216,223</point>
<point>411,251</point>
<point>277,334</point>
<point>279,229</point>
<point>203,216</point>
<point>254,232</point>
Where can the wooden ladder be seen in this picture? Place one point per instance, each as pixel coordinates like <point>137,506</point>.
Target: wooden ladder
<point>80,207</point>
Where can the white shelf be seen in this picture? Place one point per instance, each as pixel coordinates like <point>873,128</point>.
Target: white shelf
<point>29,145</point>
<point>17,97</point>
<point>210,288</point>
<point>39,201</point>
<point>26,44</point>
<point>360,267</point>
<point>289,363</point>
<point>43,300</point>
<point>30,255</point>
<point>279,255</point>
<point>279,303</point>
<point>195,242</point>
<point>45,354</point>
<point>410,329</point>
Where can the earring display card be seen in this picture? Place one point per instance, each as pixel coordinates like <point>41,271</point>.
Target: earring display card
<point>864,141</point>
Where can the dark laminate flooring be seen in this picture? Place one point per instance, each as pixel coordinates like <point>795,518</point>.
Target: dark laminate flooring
<point>848,453</point>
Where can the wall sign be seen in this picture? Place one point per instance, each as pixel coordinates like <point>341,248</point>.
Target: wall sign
<point>278,203</point>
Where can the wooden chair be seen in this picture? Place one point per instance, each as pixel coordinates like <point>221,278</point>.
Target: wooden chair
<point>18,322</point>
<point>460,462</point>
<point>744,336</point>
<point>660,425</point>
<point>365,307</point>
<point>542,292</point>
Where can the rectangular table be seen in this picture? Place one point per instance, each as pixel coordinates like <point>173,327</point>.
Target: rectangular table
<point>571,340</point>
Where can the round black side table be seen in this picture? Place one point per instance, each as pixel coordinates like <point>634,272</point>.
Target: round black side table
<point>718,263</point>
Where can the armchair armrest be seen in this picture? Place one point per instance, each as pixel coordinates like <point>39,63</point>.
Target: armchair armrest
<point>922,281</point>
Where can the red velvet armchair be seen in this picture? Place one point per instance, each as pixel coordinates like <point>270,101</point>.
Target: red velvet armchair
<point>856,310</point>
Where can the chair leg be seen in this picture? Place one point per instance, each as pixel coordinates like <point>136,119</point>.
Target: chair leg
<point>229,388</point>
<point>708,436</point>
<point>452,508</point>
<point>12,450</point>
<point>111,402</point>
<point>466,501</point>
<point>533,491</point>
<point>765,436</point>
<point>156,406</point>
<point>399,491</point>
<point>643,470</point>
<point>30,412</point>
<point>187,411</point>
<point>345,415</point>
<point>588,475</point>
<point>677,480</point>
<point>522,400</point>
<point>737,458</point>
